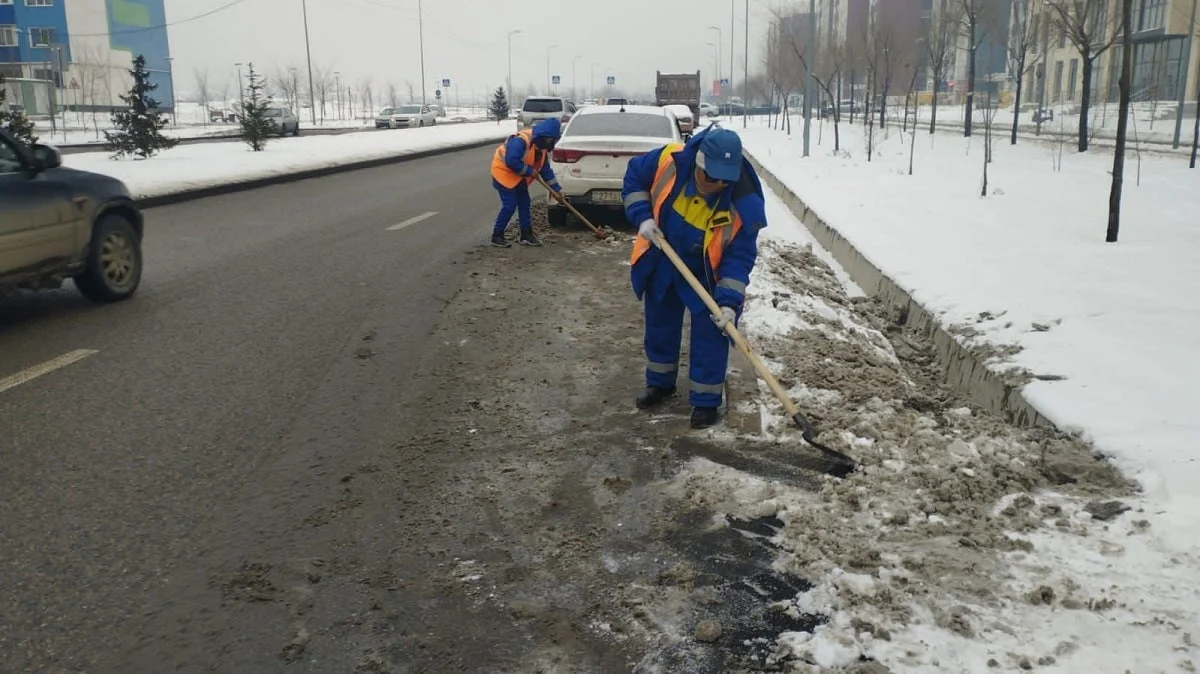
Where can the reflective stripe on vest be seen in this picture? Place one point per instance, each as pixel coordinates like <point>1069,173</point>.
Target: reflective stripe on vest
<point>660,191</point>
<point>506,176</point>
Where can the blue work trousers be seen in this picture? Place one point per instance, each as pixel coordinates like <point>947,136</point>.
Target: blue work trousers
<point>709,349</point>
<point>516,199</point>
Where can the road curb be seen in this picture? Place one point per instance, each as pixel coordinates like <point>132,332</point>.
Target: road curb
<point>295,176</point>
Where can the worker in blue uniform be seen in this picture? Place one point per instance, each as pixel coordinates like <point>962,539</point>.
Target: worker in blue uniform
<point>706,200</point>
<point>515,164</point>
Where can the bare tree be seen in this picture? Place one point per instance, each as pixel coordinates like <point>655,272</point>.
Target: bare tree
<point>203,90</point>
<point>940,42</point>
<point>412,96</point>
<point>366,98</point>
<point>978,20</point>
<point>88,68</point>
<point>1118,171</point>
<point>322,83</point>
<point>1022,38</point>
<point>223,90</point>
<point>393,95</point>
<point>287,81</point>
<point>1085,24</point>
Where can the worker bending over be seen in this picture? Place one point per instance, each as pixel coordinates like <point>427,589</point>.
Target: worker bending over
<point>705,199</point>
<point>515,164</point>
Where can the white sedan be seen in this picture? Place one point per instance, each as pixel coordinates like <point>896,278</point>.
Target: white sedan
<point>590,158</point>
<point>409,116</point>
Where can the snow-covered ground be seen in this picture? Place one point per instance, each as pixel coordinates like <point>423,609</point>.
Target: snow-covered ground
<point>966,545</point>
<point>192,121</point>
<point>201,165</point>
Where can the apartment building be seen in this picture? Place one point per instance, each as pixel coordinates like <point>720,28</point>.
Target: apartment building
<point>1164,60</point>
<point>77,53</point>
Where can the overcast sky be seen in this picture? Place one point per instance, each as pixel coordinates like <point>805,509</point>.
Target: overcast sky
<point>465,40</point>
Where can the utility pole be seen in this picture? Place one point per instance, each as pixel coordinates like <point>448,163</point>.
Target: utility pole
<point>732,32</point>
<point>312,100</point>
<point>509,92</point>
<point>720,46</point>
<point>241,93</point>
<point>746,72</point>
<point>808,76</point>
<point>421,37</point>
<point>548,80</point>
<point>1183,76</point>
<point>337,84</point>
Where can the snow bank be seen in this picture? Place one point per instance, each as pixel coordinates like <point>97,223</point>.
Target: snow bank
<point>188,167</point>
<point>1108,326</point>
<point>965,544</point>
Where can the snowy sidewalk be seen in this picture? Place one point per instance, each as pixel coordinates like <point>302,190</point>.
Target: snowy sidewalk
<point>965,544</point>
<point>1028,266</point>
<point>188,167</point>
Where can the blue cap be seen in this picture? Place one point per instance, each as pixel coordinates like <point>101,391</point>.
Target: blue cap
<point>720,155</point>
<point>548,128</point>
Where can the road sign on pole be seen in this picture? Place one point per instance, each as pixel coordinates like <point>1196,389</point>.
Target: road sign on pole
<point>611,80</point>
<point>724,81</point>
<point>437,93</point>
<point>555,80</point>
<point>446,83</point>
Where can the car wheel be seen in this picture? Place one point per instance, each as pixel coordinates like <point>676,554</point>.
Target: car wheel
<point>556,216</point>
<point>434,123</point>
<point>420,123</point>
<point>296,131</point>
<point>114,261</point>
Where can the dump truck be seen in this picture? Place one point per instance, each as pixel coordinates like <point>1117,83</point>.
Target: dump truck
<point>679,89</point>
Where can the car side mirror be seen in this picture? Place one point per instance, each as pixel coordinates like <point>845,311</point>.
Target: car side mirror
<point>46,157</point>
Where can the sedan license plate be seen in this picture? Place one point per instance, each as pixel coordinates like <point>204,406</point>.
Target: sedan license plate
<point>606,196</point>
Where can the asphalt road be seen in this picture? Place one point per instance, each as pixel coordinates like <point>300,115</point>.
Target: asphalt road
<point>196,412</point>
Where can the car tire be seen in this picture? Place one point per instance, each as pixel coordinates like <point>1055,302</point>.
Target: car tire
<point>556,216</point>
<point>114,261</point>
<point>420,123</point>
<point>296,131</point>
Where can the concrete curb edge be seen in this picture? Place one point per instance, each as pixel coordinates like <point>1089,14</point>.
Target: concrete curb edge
<point>962,369</point>
<point>295,176</point>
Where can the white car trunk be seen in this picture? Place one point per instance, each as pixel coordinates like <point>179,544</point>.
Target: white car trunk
<point>601,158</point>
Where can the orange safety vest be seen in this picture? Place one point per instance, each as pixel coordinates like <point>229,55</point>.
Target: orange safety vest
<point>718,236</point>
<point>533,157</point>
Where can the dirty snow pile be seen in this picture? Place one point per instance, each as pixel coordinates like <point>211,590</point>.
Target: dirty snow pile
<point>964,544</point>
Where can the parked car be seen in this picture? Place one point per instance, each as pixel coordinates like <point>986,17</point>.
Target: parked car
<point>537,108</point>
<point>438,110</point>
<point>595,148</point>
<point>284,120</point>
<point>384,119</point>
<point>228,116</point>
<point>709,110</point>
<point>58,223</point>
<point>410,116</point>
<point>684,117</point>
<point>616,101</point>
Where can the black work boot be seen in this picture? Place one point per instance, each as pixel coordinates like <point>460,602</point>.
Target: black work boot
<point>528,239</point>
<point>499,241</point>
<point>653,396</point>
<point>703,417</point>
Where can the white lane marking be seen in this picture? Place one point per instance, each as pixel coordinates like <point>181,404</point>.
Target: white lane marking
<point>28,375</point>
<point>412,221</point>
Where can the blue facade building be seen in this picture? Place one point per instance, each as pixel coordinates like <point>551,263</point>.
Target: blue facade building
<point>53,52</point>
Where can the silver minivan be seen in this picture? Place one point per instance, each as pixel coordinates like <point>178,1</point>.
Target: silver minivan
<point>537,108</point>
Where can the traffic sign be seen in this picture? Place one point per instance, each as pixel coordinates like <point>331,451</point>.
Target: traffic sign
<point>611,80</point>
<point>724,81</point>
<point>555,80</point>
<point>446,83</point>
<point>437,94</point>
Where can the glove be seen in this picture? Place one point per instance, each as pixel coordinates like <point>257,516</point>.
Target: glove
<point>648,229</point>
<point>556,188</point>
<point>728,317</point>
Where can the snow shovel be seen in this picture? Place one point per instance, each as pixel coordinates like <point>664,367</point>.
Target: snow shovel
<point>843,463</point>
<point>600,233</point>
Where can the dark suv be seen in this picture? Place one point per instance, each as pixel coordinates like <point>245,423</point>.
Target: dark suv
<point>58,223</point>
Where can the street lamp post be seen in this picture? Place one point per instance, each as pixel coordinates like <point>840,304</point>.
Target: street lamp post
<point>574,60</point>
<point>241,92</point>
<point>421,35</point>
<point>809,88</point>
<point>171,80</point>
<point>720,46</point>
<point>746,71</point>
<point>1183,75</point>
<point>592,82</point>
<point>337,83</point>
<point>717,56</point>
<point>509,93</point>
<point>548,81</point>
<point>312,96</point>
<point>732,32</point>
